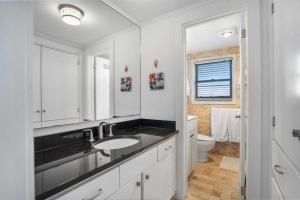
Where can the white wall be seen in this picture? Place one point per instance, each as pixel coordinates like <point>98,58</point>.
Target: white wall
<point>158,43</point>
<point>127,52</point>
<point>16,144</point>
<point>163,38</point>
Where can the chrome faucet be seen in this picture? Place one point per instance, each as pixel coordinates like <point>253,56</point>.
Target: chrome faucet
<point>100,129</point>
<point>91,134</point>
<point>110,130</point>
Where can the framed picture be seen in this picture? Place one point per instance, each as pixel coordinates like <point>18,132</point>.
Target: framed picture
<point>126,84</point>
<point>157,81</point>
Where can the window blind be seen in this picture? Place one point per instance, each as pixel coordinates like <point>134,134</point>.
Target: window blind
<point>214,80</point>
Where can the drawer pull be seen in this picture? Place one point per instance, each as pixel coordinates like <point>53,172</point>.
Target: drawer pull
<point>95,195</point>
<point>277,169</point>
<point>138,184</point>
<point>296,133</point>
<point>168,148</point>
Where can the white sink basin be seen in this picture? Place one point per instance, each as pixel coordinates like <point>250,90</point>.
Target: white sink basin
<point>116,143</point>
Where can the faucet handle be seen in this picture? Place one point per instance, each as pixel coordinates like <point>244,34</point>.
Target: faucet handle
<point>110,130</point>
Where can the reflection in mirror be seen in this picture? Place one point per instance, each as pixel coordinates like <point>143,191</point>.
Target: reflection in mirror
<point>81,49</point>
<point>100,87</point>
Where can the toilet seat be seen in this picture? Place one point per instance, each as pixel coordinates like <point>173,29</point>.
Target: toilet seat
<point>204,138</point>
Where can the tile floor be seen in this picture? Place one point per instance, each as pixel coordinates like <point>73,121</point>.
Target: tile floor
<point>210,182</point>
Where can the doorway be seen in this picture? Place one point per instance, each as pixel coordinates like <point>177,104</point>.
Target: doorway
<point>99,86</point>
<point>216,105</point>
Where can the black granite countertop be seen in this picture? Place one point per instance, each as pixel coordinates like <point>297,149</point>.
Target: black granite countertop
<point>59,168</point>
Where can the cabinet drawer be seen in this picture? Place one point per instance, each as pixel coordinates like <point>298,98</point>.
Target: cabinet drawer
<point>137,165</point>
<point>284,172</point>
<point>166,148</point>
<point>98,189</point>
<point>276,193</point>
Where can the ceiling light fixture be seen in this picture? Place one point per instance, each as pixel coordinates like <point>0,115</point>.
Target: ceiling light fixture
<point>227,33</point>
<point>70,14</point>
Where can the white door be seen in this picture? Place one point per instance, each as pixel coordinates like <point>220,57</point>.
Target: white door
<point>103,87</point>
<point>60,86</point>
<point>159,181</point>
<point>36,86</point>
<point>287,78</point>
<point>243,106</point>
<point>131,191</point>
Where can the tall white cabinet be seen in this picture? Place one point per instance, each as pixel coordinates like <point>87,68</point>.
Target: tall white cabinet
<point>286,141</point>
<point>55,87</point>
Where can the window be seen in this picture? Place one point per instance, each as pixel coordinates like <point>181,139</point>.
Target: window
<point>214,80</point>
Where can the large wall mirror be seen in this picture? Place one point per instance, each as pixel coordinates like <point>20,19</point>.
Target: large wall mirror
<point>86,63</point>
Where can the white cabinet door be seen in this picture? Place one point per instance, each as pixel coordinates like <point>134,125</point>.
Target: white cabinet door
<point>189,155</point>
<point>193,149</point>
<point>60,86</point>
<point>36,86</point>
<point>191,146</point>
<point>287,81</point>
<point>131,169</point>
<point>131,191</point>
<point>159,181</point>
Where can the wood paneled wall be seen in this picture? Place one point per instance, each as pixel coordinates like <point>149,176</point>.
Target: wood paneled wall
<point>203,111</point>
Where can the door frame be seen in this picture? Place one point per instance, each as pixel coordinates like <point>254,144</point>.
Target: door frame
<point>243,149</point>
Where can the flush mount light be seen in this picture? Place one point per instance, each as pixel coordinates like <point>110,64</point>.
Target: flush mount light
<point>227,33</point>
<point>70,14</point>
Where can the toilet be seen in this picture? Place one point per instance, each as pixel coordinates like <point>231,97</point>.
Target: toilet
<point>204,144</point>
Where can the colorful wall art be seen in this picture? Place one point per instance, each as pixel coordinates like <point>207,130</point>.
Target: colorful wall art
<point>157,81</point>
<point>126,84</point>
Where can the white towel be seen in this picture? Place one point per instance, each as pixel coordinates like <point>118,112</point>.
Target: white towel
<point>234,126</point>
<point>224,125</point>
<point>219,125</point>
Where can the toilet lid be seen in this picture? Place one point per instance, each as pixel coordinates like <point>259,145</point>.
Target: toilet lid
<point>204,138</point>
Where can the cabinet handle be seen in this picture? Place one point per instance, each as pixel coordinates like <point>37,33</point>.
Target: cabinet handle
<point>168,148</point>
<point>44,111</point>
<point>38,111</point>
<point>296,133</point>
<point>147,177</point>
<point>277,169</point>
<point>138,183</point>
<point>95,195</point>
<point>192,135</point>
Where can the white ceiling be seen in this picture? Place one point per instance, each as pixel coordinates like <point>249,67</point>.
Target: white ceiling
<point>144,10</point>
<point>99,21</point>
<point>205,36</point>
